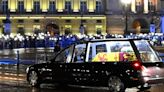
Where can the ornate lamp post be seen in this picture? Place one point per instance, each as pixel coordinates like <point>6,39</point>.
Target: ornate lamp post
<point>126,3</point>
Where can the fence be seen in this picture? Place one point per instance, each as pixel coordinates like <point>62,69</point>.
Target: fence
<point>13,63</point>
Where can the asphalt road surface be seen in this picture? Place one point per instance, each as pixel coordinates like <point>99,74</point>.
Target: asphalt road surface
<point>20,87</point>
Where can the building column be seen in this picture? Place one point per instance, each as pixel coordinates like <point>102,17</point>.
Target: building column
<point>12,4</point>
<point>91,4</point>
<point>146,6</point>
<point>28,5</point>
<point>76,5</point>
<point>60,5</point>
<point>44,5</point>
<point>133,6</point>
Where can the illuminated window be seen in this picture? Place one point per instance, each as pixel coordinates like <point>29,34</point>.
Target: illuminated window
<point>52,6</point>
<point>68,6</point>
<point>98,6</point>
<point>36,6</point>
<point>151,5</point>
<point>83,6</point>
<point>20,6</point>
<point>67,29</point>
<point>4,6</point>
<point>99,29</point>
<point>36,29</point>
<point>139,7</point>
<point>21,29</point>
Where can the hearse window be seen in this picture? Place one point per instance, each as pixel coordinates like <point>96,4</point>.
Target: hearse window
<point>65,55</point>
<point>101,48</point>
<point>111,51</point>
<point>146,52</point>
<point>79,53</point>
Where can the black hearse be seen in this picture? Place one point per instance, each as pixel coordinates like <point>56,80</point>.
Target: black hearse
<point>114,63</point>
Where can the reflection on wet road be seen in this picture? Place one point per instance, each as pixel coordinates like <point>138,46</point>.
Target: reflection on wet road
<point>22,86</point>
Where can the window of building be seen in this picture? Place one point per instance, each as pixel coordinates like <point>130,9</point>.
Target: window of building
<point>151,6</point>
<point>68,6</point>
<point>36,6</point>
<point>84,21</point>
<point>83,6</point>
<point>98,21</point>
<point>98,6</point>
<point>4,6</point>
<point>21,29</point>
<point>139,7</point>
<point>52,6</point>
<point>20,21</point>
<point>36,21</point>
<point>36,29</point>
<point>68,21</point>
<point>67,27</point>
<point>20,6</point>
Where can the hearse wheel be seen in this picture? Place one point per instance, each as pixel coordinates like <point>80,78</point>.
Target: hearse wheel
<point>33,79</point>
<point>115,84</point>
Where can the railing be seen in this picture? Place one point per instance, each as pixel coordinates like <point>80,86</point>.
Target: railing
<point>14,62</point>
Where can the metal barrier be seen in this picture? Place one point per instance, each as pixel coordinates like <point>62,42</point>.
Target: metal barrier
<point>13,68</point>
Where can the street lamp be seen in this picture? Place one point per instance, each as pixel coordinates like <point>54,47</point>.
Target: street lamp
<point>126,3</point>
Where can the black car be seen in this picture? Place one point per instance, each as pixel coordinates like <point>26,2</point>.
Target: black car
<point>114,63</point>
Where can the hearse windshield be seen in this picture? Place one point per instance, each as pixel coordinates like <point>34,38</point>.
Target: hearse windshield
<point>147,54</point>
<point>110,51</point>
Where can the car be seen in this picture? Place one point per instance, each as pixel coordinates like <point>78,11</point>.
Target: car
<point>114,63</point>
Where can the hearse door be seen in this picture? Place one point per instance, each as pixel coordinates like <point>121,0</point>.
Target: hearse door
<point>80,71</point>
<point>61,71</point>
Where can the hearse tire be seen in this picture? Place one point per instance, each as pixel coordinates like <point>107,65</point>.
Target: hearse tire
<point>115,84</point>
<point>33,79</point>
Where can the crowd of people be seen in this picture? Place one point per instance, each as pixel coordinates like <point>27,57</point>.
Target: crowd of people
<point>45,40</point>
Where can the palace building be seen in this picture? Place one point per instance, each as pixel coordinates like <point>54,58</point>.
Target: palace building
<point>133,15</point>
<point>29,15</point>
<point>111,16</point>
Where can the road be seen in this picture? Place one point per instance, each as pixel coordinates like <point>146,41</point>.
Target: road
<point>19,87</point>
